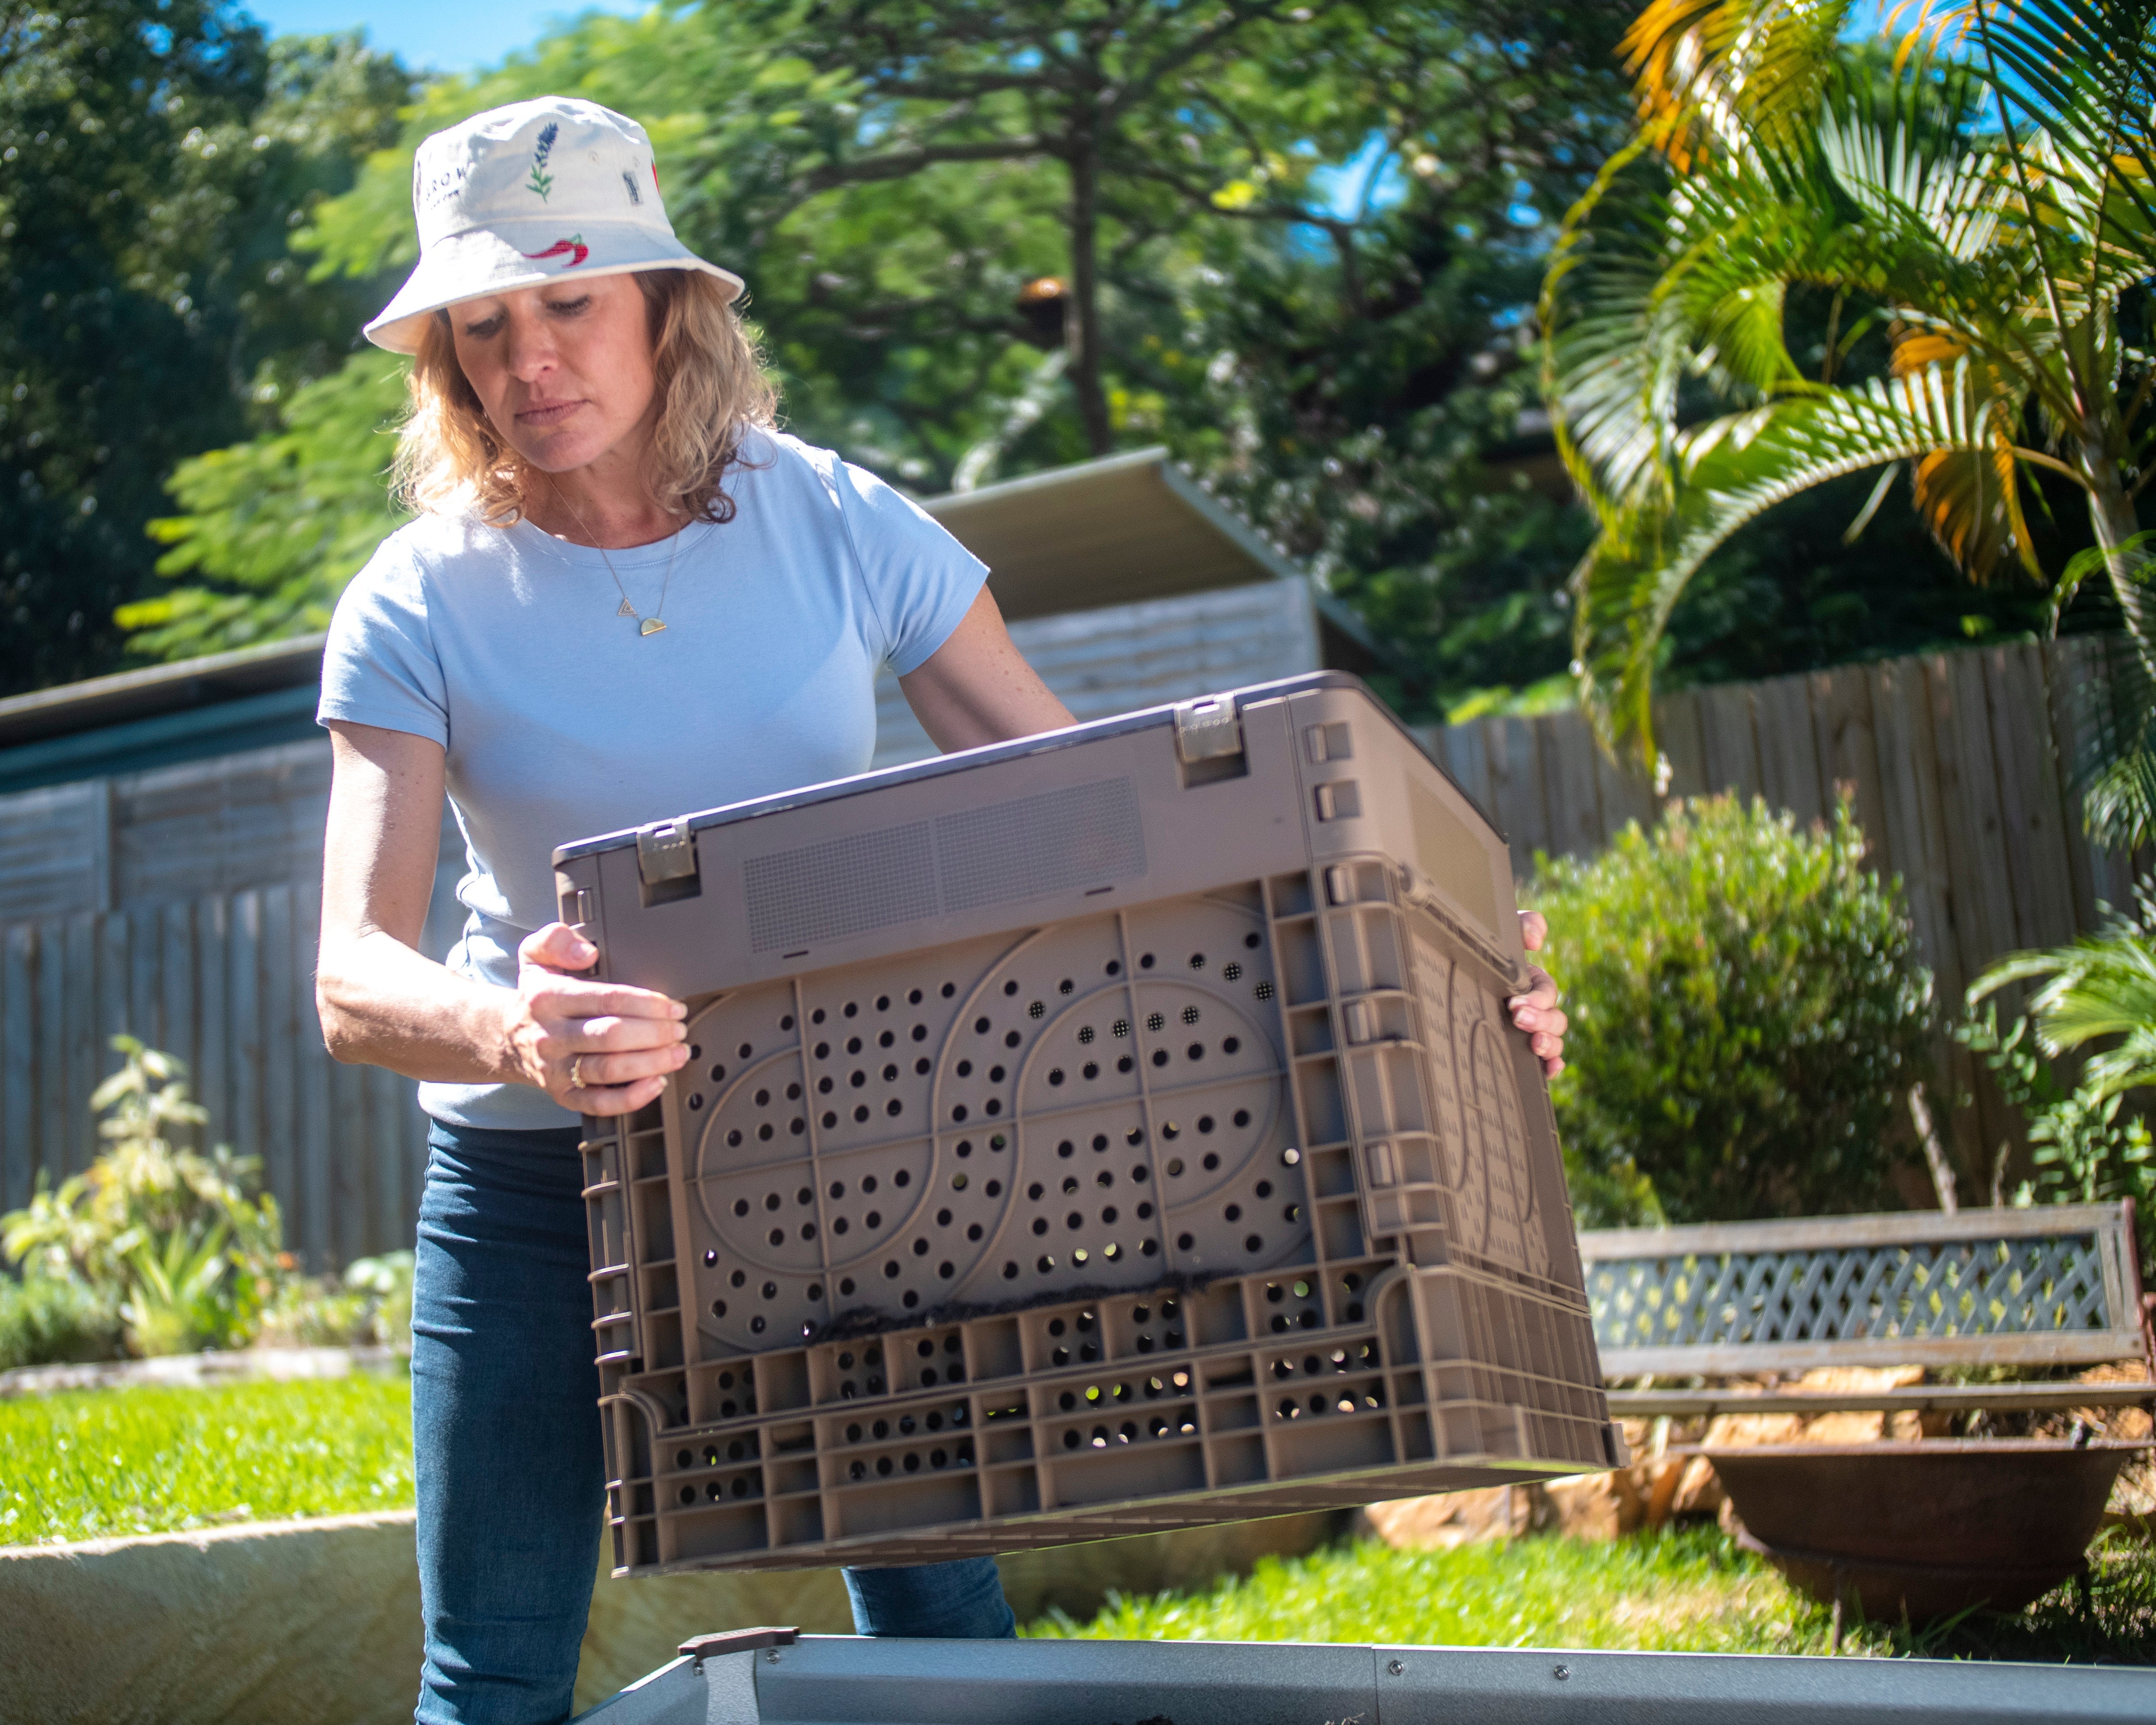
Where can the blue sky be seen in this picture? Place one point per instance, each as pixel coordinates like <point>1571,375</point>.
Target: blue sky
<point>478,33</point>
<point>426,32</point>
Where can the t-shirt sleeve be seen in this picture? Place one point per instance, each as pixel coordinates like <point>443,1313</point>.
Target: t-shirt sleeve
<point>379,666</point>
<point>920,581</point>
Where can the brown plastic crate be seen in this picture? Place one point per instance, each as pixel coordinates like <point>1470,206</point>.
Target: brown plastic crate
<point>1111,1132</point>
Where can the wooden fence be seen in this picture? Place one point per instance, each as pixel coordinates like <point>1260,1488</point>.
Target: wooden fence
<point>179,905</point>
<point>1957,765</point>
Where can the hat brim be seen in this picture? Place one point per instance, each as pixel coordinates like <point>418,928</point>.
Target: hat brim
<point>499,259</point>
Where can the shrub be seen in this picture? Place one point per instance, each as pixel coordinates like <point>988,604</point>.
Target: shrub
<point>173,1236</point>
<point>371,1304</point>
<point>1746,1010</point>
<point>45,1321</point>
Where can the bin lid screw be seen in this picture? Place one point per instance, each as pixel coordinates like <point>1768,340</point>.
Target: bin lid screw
<point>1394,1667</point>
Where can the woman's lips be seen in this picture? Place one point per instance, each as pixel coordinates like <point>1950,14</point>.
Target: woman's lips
<point>552,413</point>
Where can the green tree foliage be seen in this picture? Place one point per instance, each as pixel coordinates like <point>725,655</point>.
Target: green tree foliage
<point>153,160</point>
<point>280,523</point>
<point>1981,204</point>
<point>1748,1010</point>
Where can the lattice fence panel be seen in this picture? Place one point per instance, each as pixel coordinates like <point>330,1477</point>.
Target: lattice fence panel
<point>1946,1288</point>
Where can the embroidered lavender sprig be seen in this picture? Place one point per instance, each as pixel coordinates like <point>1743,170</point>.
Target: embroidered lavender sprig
<point>542,181</point>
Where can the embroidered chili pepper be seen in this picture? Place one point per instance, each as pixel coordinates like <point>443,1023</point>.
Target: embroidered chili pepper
<point>562,248</point>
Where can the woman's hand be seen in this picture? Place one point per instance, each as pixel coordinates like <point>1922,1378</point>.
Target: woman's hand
<point>1536,1011</point>
<point>622,1043</point>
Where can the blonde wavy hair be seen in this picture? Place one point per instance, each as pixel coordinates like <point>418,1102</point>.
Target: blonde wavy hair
<point>711,386</point>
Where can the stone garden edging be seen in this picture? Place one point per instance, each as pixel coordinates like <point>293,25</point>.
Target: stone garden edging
<point>194,1371</point>
<point>278,1623</point>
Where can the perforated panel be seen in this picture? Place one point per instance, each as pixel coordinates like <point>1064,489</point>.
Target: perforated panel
<point>1100,1104</point>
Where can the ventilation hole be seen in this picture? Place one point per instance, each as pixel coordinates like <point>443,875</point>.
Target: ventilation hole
<point>733,1138</point>
<point>1122,1027</point>
<point>815,1290</point>
<point>1135,1135</point>
<point>890,1269</point>
<point>958,1114</point>
<point>1264,991</point>
<point>1183,1242</point>
<point>874,1219</point>
<point>1242,1116</point>
<point>1229,1044</point>
<point>995,1075</point>
<point>894,1107</point>
<point>739,1279</point>
<point>1125,1063</point>
<point>1264,1189</point>
<point>846,1288</point>
<point>1252,1243</point>
<point>901,1178</point>
<point>696,1101</point>
<point>1086,1035</point>
<point>1154,1021</point>
<point>980,1027</point>
<point>1145,961</point>
<point>1174,1167</point>
<point>1100,1141</point>
<point>948,989</point>
<point>1011,1273</point>
<point>1115,968</point>
<point>1231,972</point>
<point>959,1182</point>
<point>756,1324</point>
<point>1212,1160</point>
<point>994,1188</point>
<point>1036,1009</point>
<point>1171,1130</point>
<point>1044,1264</point>
<point>746,1049</point>
<point>718,1308</point>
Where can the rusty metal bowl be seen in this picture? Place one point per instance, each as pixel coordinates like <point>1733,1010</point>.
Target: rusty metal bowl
<point>1926,1529</point>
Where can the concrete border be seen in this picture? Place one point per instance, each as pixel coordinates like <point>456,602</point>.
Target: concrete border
<point>317,1622</point>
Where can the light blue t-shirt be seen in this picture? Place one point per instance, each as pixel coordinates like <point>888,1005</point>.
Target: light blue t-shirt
<point>561,721</point>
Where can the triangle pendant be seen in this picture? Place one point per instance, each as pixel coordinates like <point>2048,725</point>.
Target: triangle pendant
<point>650,626</point>
<point>627,609</point>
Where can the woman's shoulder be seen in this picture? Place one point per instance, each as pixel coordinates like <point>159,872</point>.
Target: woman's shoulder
<point>768,455</point>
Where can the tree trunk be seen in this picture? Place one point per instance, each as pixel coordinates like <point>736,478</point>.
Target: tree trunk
<point>1082,320</point>
<point>2111,514</point>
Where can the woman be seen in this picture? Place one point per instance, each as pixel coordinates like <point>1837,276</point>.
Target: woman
<point>626,595</point>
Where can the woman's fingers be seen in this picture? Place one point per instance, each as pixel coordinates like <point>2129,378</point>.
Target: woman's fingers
<point>1537,1011</point>
<point>616,1069</point>
<point>557,946</point>
<point>613,1098</point>
<point>1534,930</point>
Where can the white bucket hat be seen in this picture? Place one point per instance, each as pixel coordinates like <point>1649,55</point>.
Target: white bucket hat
<point>518,195</point>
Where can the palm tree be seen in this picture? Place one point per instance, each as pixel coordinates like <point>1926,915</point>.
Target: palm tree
<point>1988,199</point>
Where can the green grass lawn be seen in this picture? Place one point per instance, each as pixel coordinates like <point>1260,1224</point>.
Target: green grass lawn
<point>95,1464</point>
<point>1689,1590</point>
<point>99,1463</point>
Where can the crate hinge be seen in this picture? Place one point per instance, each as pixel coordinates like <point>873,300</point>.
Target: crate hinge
<point>1207,729</point>
<point>665,850</point>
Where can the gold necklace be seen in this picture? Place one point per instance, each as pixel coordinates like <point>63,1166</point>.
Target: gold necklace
<point>650,625</point>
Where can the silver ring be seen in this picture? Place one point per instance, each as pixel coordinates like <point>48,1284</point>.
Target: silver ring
<point>576,1071</point>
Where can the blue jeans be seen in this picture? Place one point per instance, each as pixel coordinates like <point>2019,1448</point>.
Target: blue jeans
<point>506,1441</point>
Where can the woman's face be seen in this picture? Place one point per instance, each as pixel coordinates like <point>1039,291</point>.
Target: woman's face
<point>564,371</point>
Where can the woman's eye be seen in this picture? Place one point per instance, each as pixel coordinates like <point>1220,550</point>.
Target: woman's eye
<point>569,308</point>
<point>480,331</point>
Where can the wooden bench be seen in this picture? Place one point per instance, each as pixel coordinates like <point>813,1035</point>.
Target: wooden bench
<point>2054,1285</point>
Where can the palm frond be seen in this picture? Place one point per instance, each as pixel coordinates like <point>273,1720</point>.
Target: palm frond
<point>2101,987</point>
<point>1729,471</point>
<point>1708,73</point>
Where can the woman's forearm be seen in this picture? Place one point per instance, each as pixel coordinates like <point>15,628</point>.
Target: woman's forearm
<point>383,1004</point>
